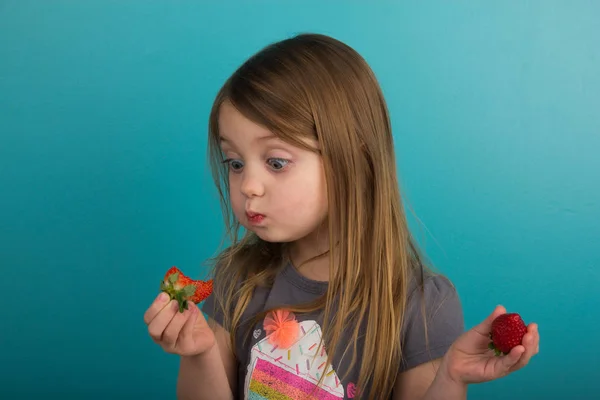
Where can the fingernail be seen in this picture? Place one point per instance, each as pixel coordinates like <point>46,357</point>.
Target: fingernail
<point>163,297</point>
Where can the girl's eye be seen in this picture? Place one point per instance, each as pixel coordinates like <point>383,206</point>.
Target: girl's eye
<point>234,165</point>
<point>277,163</point>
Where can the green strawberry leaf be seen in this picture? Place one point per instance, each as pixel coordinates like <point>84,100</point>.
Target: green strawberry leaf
<point>189,290</point>
<point>173,278</point>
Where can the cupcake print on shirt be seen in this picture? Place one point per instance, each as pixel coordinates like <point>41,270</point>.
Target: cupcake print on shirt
<point>289,362</point>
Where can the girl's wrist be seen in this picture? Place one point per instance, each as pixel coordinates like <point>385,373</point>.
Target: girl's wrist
<point>446,386</point>
<point>200,357</point>
<point>448,373</point>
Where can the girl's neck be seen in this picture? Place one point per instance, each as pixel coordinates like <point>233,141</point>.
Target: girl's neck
<point>310,256</point>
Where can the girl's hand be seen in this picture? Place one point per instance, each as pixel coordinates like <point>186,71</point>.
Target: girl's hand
<point>469,360</point>
<point>185,334</point>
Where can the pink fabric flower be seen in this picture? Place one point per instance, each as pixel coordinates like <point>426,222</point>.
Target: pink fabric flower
<point>351,390</point>
<point>282,328</point>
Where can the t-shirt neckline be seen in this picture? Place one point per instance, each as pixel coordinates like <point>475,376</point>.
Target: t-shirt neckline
<point>292,275</point>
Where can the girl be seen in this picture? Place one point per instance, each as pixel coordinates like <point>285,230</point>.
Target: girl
<point>326,294</point>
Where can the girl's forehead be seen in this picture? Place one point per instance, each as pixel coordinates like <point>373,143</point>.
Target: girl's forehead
<point>236,128</point>
<point>233,123</point>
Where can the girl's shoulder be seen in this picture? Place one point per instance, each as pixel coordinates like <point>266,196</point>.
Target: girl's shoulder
<point>433,320</point>
<point>430,285</point>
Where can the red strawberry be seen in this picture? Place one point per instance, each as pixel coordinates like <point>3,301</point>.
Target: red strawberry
<point>507,332</point>
<point>181,288</point>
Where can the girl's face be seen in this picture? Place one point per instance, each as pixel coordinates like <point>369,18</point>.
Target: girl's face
<point>277,190</point>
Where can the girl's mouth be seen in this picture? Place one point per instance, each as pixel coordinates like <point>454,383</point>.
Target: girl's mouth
<point>255,218</point>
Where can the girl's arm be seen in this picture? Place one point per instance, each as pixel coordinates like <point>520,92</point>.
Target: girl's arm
<point>211,375</point>
<point>468,361</point>
<point>428,382</point>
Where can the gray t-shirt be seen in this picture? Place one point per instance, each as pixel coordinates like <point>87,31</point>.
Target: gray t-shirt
<point>268,372</point>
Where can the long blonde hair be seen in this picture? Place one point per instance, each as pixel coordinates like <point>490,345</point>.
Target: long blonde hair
<point>314,86</point>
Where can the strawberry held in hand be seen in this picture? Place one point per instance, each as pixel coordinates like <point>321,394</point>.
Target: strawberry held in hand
<point>181,288</point>
<point>507,332</point>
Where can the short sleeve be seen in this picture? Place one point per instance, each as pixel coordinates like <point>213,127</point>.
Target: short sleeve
<point>214,306</point>
<point>445,322</point>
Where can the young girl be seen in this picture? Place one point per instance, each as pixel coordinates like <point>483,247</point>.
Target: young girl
<point>325,295</point>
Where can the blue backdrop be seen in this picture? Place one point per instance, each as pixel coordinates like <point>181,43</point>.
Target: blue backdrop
<point>104,182</point>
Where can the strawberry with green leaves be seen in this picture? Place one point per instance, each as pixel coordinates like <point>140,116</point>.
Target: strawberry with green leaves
<point>184,289</point>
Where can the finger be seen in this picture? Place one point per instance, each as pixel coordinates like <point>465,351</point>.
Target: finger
<point>158,304</point>
<point>485,327</point>
<point>510,360</point>
<point>537,343</point>
<point>162,319</point>
<point>531,340</point>
<point>187,332</point>
<point>173,329</point>
<point>530,343</point>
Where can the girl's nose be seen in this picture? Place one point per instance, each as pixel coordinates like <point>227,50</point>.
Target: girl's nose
<point>252,185</point>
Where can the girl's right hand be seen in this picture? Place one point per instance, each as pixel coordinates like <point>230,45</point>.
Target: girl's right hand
<point>185,334</point>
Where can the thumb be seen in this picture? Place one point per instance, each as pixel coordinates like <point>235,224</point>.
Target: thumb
<point>485,326</point>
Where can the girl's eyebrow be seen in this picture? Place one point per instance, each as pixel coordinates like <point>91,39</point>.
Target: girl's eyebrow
<point>223,139</point>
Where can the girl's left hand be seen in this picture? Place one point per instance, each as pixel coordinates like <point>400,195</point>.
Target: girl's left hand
<point>469,359</point>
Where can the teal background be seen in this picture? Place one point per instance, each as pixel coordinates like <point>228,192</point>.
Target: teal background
<point>104,181</point>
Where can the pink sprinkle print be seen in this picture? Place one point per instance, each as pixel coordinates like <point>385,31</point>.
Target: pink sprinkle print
<point>351,389</point>
<point>307,365</point>
<point>278,358</point>
<point>312,347</point>
<point>297,370</point>
<point>321,366</point>
<point>337,382</point>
